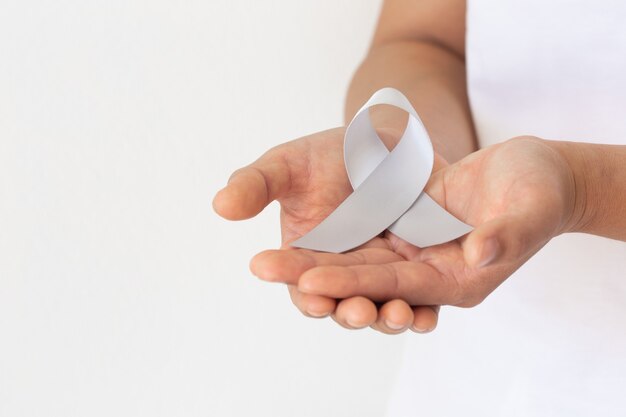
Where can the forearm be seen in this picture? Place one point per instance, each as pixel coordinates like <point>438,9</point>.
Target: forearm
<point>433,78</point>
<point>599,176</point>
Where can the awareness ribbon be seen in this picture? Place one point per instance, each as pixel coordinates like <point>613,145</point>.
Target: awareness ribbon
<point>388,187</point>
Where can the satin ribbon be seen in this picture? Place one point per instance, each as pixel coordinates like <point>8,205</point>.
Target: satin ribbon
<point>388,187</point>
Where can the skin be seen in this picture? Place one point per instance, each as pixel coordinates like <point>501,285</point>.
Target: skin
<point>517,194</point>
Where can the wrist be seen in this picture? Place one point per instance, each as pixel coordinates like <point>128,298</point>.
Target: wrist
<point>578,211</point>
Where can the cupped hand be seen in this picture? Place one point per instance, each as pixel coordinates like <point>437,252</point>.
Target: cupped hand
<point>518,195</point>
<point>308,177</point>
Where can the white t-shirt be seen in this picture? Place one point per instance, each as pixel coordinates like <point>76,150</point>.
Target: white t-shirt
<point>551,341</point>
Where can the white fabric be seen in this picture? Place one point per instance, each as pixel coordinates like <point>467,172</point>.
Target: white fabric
<point>551,341</point>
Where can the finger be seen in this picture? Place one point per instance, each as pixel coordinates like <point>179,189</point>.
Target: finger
<point>509,238</point>
<point>288,265</point>
<point>425,319</point>
<point>315,306</point>
<point>253,187</point>
<point>394,317</point>
<point>355,313</point>
<point>414,282</point>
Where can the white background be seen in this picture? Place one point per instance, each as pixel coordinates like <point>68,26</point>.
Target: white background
<point>121,292</point>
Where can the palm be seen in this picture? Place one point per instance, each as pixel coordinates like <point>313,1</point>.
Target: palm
<point>318,181</point>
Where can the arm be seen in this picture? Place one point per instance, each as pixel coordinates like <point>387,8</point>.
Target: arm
<point>419,48</point>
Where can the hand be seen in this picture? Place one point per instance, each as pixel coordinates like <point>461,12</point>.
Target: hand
<point>307,176</point>
<point>518,194</point>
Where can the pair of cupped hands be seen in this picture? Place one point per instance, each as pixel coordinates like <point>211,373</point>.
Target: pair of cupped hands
<point>517,195</point>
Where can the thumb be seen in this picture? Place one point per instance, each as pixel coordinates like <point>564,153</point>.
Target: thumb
<point>509,238</point>
<point>253,187</point>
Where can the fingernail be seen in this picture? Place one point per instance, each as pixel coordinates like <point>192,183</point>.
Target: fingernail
<point>353,324</point>
<point>317,314</point>
<point>421,330</point>
<point>490,251</point>
<point>394,326</point>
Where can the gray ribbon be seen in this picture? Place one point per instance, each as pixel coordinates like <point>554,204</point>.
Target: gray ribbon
<point>388,188</point>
